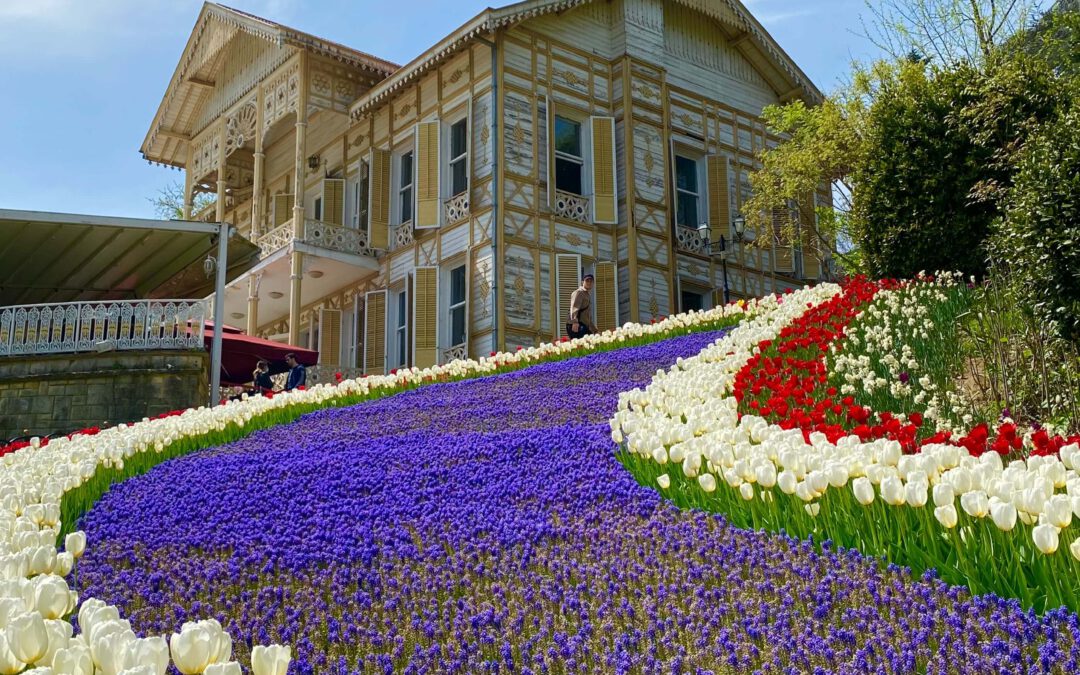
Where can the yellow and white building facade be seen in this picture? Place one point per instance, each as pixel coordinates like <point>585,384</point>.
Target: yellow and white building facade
<point>409,215</point>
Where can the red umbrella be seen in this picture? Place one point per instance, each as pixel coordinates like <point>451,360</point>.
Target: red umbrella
<point>240,353</point>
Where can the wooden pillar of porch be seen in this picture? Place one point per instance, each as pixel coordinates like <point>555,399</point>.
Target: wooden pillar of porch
<point>189,186</point>
<point>260,157</point>
<point>253,303</point>
<point>298,205</point>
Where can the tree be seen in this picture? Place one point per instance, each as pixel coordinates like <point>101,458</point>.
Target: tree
<point>942,145</point>
<point>822,146</point>
<point>948,31</point>
<point>169,202</point>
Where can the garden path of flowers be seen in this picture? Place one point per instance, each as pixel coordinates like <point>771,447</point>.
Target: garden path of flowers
<point>486,526</point>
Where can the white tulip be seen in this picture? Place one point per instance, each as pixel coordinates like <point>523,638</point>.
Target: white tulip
<point>864,490</point>
<point>1045,538</point>
<point>787,482</point>
<point>1074,548</point>
<point>915,493</point>
<point>9,663</point>
<point>664,481</point>
<point>707,482</point>
<point>191,649</point>
<point>75,543</point>
<point>976,504</point>
<point>746,490</point>
<point>1003,514</point>
<point>272,660</point>
<point>946,515</point>
<point>151,652</point>
<point>51,596</point>
<point>138,670</point>
<point>64,562</point>
<point>1059,511</point>
<point>224,668</point>
<point>813,509</point>
<point>59,633</point>
<point>110,647</point>
<point>74,660</point>
<point>892,491</point>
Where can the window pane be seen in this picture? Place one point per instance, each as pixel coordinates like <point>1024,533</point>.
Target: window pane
<point>687,215</point>
<point>692,301</point>
<point>406,169</point>
<point>457,285</point>
<point>686,174</point>
<point>318,208</point>
<point>568,176</point>
<point>401,309</point>
<point>406,205</point>
<point>402,347</point>
<point>458,139</point>
<point>459,178</point>
<point>457,326</point>
<point>567,136</point>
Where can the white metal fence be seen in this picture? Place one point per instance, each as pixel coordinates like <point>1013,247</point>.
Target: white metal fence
<point>100,326</point>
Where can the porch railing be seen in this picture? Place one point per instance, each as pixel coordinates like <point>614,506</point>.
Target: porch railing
<point>102,326</point>
<point>571,206</point>
<point>317,233</point>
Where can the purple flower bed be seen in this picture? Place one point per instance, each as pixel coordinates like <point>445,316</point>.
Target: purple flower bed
<point>485,526</point>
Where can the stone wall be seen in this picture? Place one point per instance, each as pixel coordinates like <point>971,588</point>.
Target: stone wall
<point>40,394</point>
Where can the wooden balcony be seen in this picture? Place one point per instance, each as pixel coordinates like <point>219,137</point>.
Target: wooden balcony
<point>692,240</point>
<point>319,234</point>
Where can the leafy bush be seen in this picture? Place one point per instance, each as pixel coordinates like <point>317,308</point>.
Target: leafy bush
<point>1041,231</point>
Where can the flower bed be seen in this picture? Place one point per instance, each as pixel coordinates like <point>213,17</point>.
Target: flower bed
<point>486,526</point>
<point>762,431</point>
<point>46,486</point>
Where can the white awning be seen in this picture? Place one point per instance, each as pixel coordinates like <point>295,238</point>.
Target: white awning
<point>60,257</point>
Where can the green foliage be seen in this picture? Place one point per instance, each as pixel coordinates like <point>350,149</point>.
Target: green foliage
<point>1041,231</point>
<point>941,156</point>
<point>169,202</point>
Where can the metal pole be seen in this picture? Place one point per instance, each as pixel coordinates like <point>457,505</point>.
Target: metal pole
<point>221,268</point>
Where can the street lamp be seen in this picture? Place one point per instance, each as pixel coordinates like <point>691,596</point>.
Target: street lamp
<point>739,225</point>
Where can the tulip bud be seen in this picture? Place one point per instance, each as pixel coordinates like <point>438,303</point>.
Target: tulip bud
<point>225,668</point>
<point>75,543</point>
<point>813,509</point>
<point>64,562</point>
<point>1045,538</point>
<point>272,660</point>
<point>946,515</point>
<point>1074,548</point>
<point>747,491</point>
<point>664,481</point>
<point>707,482</point>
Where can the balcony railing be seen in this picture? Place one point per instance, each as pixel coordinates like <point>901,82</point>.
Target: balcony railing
<point>571,206</point>
<point>692,239</point>
<point>317,233</point>
<point>401,236</point>
<point>456,209</point>
<point>455,353</point>
<point>126,325</point>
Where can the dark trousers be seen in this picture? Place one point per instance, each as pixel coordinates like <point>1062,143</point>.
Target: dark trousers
<point>583,330</point>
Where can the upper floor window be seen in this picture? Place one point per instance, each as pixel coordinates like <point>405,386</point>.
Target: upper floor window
<point>318,208</point>
<point>405,187</point>
<point>359,219</point>
<point>457,306</point>
<point>569,157</point>
<point>688,193</point>
<point>459,156</point>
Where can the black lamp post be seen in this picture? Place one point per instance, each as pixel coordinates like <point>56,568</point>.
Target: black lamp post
<point>719,249</point>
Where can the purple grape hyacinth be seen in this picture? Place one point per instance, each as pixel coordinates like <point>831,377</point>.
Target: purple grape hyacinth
<point>485,526</point>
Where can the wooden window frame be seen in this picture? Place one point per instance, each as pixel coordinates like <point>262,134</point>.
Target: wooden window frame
<point>581,161</point>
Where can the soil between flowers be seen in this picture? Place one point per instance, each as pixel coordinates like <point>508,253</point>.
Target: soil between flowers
<point>486,526</point>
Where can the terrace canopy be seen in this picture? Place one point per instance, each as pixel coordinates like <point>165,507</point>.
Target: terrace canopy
<point>60,257</point>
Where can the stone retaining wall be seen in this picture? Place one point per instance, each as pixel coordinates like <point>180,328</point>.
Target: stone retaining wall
<point>40,395</point>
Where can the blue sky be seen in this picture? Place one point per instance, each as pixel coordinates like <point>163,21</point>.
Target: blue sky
<point>83,78</point>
